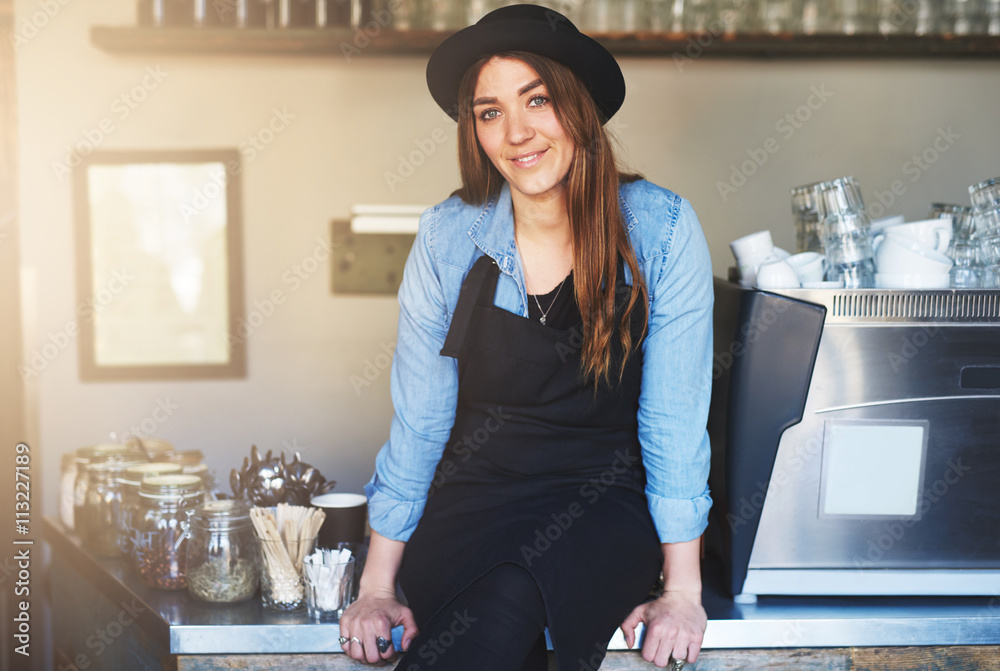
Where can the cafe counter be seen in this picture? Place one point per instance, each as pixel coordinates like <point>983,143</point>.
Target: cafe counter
<point>104,618</point>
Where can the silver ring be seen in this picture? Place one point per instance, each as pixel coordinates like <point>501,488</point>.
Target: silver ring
<point>343,639</point>
<point>676,664</point>
<point>382,644</point>
<point>355,639</point>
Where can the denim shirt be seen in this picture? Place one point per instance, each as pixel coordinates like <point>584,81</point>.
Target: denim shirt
<point>677,353</point>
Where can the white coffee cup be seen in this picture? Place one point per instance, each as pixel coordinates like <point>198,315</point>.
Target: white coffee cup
<point>777,274</point>
<point>750,251</point>
<point>897,254</point>
<point>912,281</point>
<point>809,266</point>
<point>933,233</point>
<point>879,225</point>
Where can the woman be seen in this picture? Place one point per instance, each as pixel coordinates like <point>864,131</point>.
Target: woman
<point>548,454</point>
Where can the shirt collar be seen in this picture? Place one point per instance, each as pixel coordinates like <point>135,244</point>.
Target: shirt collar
<point>493,231</point>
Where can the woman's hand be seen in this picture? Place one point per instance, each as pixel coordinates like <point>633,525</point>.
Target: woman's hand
<point>675,627</point>
<point>374,615</point>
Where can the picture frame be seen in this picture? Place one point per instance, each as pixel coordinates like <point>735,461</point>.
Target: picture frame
<point>159,265</point>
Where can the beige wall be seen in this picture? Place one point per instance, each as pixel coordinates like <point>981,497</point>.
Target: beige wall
<point>683,127</point>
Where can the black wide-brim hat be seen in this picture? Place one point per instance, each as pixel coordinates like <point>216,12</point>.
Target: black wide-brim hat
<point>534,29</point>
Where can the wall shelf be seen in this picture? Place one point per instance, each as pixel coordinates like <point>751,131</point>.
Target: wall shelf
<point>341,43</point>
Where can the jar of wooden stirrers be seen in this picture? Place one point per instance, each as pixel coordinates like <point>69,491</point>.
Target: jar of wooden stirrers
<point>287,534</point>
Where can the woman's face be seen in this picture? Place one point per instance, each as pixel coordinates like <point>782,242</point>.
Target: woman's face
<point>518,129</point>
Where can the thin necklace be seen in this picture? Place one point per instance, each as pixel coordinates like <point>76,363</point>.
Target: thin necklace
<point>546,312</point>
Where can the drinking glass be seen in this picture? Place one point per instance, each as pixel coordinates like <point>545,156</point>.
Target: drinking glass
<point>281,584</point>
<point>963,221</point>
<point>855,17</point>
<point>964,17</point>
<point>993,17</point>
<point>968,271</point>
<point>897,17</point>
<point>845,227</point>
<point>328,587</point>
<point>780,16</point>
<point>805,214</point>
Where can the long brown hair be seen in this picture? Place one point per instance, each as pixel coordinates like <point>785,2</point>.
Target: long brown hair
<point>598,226</point>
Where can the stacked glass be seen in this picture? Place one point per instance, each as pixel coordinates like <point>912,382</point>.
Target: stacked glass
<point>986,206</point>
<point>845,231</point>
<point>968,271</point>
<point>805,214</point>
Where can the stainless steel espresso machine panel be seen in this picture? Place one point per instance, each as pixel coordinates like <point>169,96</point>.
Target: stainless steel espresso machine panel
<point>888,479</point>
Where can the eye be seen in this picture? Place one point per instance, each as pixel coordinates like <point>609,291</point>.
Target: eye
<point>538,101</point>
<point>489,114</point>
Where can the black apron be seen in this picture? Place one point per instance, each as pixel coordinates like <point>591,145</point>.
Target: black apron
<point>540,471</point>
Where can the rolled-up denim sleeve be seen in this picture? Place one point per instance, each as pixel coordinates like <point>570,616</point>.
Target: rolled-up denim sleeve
<point>424,388</point>
<point>677,381</point>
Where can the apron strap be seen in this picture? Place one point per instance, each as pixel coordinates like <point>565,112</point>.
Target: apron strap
<point>480,284</point>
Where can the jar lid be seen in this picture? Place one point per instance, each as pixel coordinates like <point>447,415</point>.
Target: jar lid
<point>170,486</point>
<point>224,512</point>
<point>135,473</point>
<point>156,449</point>
<point>187,457</point>
<point>102,449</point>
<point>116,464</point>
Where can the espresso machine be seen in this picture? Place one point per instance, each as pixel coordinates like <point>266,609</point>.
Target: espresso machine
<point>856,441</point>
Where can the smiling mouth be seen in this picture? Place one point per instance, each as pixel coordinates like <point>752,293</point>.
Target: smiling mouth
<point>529,158</point>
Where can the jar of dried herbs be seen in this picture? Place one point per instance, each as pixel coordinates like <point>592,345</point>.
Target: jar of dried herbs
<point>161,528</point>
<point>130,480</point>
<point>222,553</point>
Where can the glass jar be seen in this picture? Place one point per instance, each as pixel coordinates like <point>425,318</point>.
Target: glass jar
<point>206,475</point>
<point>94,454</point>
<point>160,528</point>
<point>222,555</point>
<point>68,467</point>
<point>102,506</point>
<point>130,480</point>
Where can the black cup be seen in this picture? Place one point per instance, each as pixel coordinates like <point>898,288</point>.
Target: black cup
<point>346,517</point>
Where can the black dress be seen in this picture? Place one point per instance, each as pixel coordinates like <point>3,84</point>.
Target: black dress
<point>540,470</point>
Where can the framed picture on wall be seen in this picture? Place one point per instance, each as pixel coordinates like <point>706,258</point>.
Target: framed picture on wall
<point>159,265</point>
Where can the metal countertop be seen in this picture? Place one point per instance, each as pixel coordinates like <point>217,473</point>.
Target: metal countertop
<point>198,628</point>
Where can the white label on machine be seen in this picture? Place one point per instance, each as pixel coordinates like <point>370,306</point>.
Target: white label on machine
<point>872,469</point>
